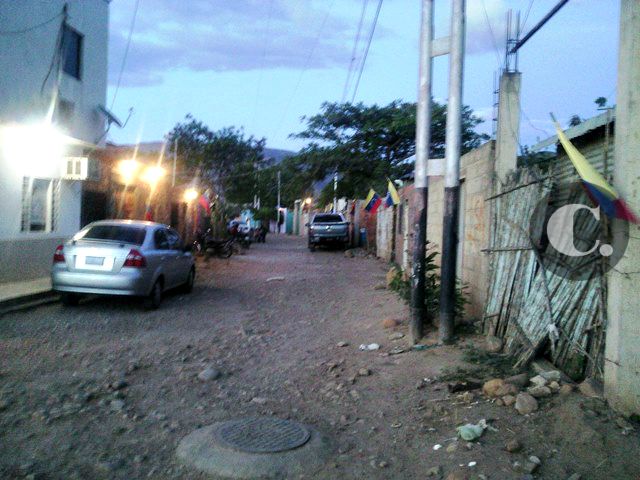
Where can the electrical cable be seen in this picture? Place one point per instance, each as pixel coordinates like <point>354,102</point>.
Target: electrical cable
<point>126,52</point>
<point>366,52</point>
<point>304,69</point>
<point>493,37</point>
<point>29,29</point>
<point>526,16</point>
<point>57,52</point>
<point>356,42</point>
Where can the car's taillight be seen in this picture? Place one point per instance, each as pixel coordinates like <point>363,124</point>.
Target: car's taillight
<point>135,259</point>
<point>58,256</point>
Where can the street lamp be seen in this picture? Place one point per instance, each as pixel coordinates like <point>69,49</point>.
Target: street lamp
<point>190,195</point>
<point>127,169</point>
<point>308,200</point>
<point>152,175</point>
<point>34,148</point>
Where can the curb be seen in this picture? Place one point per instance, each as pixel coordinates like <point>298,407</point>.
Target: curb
<point>28,301</point>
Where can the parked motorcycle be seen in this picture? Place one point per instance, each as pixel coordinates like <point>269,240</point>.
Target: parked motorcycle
<point>206,245</point>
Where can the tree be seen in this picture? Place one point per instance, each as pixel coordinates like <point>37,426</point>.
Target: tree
<point>224,160</point>
<point>601,102</point>
<point>367,144</point>
<point>575,120</point>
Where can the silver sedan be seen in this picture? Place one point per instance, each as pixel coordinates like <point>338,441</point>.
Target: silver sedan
<point>122,257</point>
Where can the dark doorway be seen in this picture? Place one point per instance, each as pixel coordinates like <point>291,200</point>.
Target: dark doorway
<point>94,207</point>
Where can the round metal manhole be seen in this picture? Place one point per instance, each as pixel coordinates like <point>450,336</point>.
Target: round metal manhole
<point>262,435</point>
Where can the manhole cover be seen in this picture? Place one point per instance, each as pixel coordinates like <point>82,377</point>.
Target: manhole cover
<point>262,435</point>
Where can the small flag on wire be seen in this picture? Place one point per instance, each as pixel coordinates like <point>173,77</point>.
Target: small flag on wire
<point>392,197</point>
<point>372,202</point>
<point>598,189</point>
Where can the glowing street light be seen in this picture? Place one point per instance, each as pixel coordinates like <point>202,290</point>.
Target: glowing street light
<point>190,195</point>
<point>308,200</point>
<point>127,170</point>
<point>152,175</point>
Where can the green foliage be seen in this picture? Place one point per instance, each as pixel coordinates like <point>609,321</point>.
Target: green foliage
<point>225,159</point>
<point>484,366</point>
<point>367,144</point>
<point>432,289</point>
<point>601,102</point>
<point>575,120</point>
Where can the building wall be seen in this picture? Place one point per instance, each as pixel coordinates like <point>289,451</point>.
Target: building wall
<point>25,60</point>
<point>476,171</point>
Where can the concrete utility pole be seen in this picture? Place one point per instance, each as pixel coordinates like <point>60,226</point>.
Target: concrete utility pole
<point>335,192</point>
<point>278,218</point>
<point>452,174</point>
<point>622,362</point>
<point>423,140</point>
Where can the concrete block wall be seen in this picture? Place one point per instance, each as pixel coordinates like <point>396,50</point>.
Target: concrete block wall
<point>477,172</point>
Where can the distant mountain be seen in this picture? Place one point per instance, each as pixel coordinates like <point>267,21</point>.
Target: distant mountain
<point>277,154</point>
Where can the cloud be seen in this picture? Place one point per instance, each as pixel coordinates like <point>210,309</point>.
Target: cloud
<point>222,35</point>
<point>482,33</point>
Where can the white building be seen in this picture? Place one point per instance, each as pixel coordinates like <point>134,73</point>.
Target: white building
<point>53,79</point>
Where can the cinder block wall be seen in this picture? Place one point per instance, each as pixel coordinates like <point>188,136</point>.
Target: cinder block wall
<point>476,171</point>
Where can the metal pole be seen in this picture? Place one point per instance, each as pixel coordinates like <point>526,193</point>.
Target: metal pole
<point>278,219</point>
<point>423,131</point>
<point>175,159</point>
<point>335,192</point>
<point>452,174</point>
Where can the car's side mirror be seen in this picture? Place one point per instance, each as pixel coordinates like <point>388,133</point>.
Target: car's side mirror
<point>187,248</point>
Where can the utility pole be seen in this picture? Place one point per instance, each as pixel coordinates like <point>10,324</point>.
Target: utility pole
<point>175,160</point>
<point>278,220</point>
<point>423,132</point>
<point>335,192</point>
<point>452,174</point>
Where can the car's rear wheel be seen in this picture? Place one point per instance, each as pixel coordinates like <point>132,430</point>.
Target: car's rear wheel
<point>312,247</point>
<point>188,285</point>
<point>154,299</point>
<point>69,299</point>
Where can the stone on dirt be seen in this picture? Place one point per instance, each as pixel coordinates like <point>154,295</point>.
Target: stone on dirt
<point>538,381</point>
<point>390,323</point>
<point>116,405</point>
<point>348,253</point>
<point>396,336</point>
<point>521,380</point>
<point>525,404</point>
<point>458,475</point>
<point>209,373</point>
<point>551,376</point>
<point>343,344</point>
<point>364,372</point>
<point>591,388</point>
<point>498,388</point>
<point>539,391</point>
<point>434,471</point>
<point>493,344</point>
<point>566,389</point>
<point>513,446</point>
<point>508,400</point>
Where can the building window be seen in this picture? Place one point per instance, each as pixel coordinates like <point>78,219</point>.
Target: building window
<point>40,199</point>
<point>72,52</point>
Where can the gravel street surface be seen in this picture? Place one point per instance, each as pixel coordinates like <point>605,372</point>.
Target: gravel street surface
<point>107,390</point>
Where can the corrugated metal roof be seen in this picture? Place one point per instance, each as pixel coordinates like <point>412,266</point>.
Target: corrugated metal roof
<point>578,130</point>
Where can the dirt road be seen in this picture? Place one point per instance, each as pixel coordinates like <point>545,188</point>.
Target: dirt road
<point>107,390</point>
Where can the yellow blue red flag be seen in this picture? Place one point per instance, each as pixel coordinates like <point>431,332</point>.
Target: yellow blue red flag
<point>598,189</point>
<point>372,202</point>
<point>392,197</point>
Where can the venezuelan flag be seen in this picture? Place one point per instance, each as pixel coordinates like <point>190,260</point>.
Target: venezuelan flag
<point>598,189</point>
<point>372,202</point>
<point>392,197</point>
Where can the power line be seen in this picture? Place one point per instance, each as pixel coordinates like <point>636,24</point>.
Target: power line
<point>366,52</point>
<point>126,52</point>
<point>493,37</point>
<point>356,42</point>
<point>304,69</point>
<point>526,16</point>
<point>29,29</point>
<point>264,56</point>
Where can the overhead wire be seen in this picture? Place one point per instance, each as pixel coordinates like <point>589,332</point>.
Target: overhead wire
<point>304,69</point>
<point>366,51</point>
<point>126,52</point>
<point>526,16</point>
<point>264,56</point>
<point>356,42</point>
<point>29,29</point>
<point>493,37</point>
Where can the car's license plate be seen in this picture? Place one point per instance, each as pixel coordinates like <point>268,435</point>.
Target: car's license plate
<point>94,261</point>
